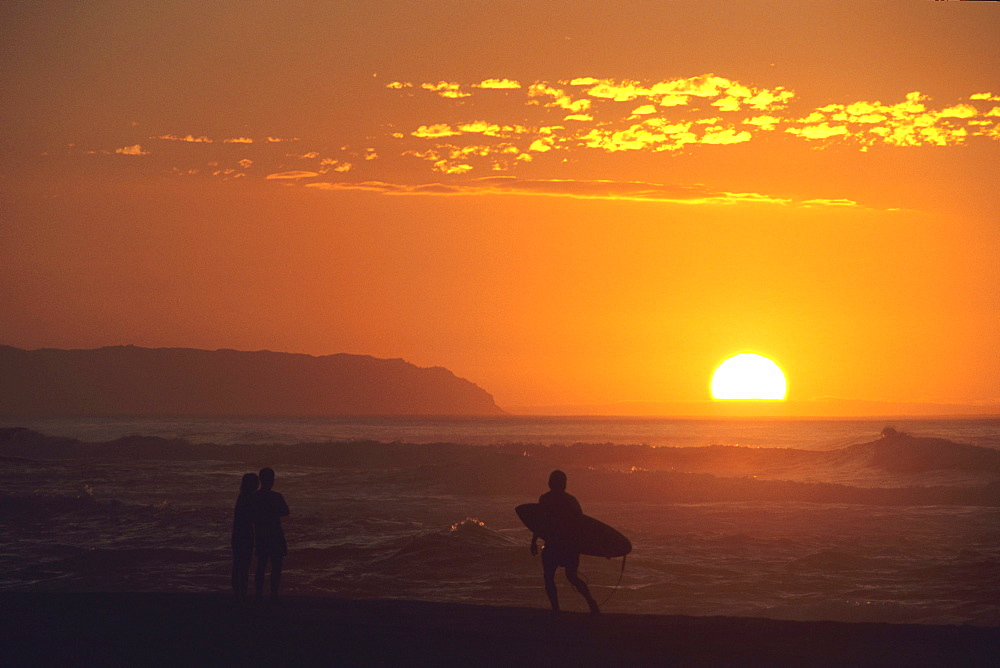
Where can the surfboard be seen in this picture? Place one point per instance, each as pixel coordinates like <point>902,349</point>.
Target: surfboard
<point>593,537</point>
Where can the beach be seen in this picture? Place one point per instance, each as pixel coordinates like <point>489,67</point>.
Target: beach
<point>898,531</point>
<point>213,629</point>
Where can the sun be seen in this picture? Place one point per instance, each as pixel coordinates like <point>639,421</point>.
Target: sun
<point>748,376</point>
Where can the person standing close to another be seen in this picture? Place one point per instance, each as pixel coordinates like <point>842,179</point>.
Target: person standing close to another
<point>242,540</point>
<point>269,507</point>
<point>563,513</point>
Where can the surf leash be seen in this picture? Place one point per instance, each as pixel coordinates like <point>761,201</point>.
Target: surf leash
<point>614,589</point>
<point>620,576</point>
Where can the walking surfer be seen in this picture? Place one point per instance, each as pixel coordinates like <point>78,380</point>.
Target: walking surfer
<point>269,507</point>
<point>562,515</point>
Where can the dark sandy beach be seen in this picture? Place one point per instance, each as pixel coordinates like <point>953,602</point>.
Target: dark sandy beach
<point>212,629</point>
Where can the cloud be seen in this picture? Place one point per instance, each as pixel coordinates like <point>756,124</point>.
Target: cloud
<point>559,98</point>
<point>820,131</point>
<point>435,131</point>
<point>716,135</point>
<point>583,189</point>
<point>292,175</point>
<point>485,128</point>
<point>828,202</point>
<point>497,84</point>
<point>446,89</point>
<point>191,139</point>
<point>731,95</point>
<point>545,123</point>
<point>614,115</point>
<point>658,135</point>
<point>329,164</point>
<point>135,149</point>
<point>909,123</point>
<point>763,122</point>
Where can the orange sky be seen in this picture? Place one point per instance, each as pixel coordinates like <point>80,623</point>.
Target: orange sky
<point>572,204</point>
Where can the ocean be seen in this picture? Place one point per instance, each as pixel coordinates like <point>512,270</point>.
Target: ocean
<point>788,519</point>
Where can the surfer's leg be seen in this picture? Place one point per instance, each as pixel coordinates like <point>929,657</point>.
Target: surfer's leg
<point>579,585</point>
<point>549,567</point>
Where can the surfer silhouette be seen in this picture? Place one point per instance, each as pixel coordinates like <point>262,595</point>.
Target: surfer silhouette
<point>242,537</point>
<point>562,514</point>
<point>268,509</point>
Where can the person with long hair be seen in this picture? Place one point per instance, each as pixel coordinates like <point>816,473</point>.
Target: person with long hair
<point>242,539</point>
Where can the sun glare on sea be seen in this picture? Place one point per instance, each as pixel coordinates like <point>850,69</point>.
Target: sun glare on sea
<point>748,376</point>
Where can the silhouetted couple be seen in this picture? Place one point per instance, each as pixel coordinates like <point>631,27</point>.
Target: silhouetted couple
<point>257,527</point>
<point>562,513</point>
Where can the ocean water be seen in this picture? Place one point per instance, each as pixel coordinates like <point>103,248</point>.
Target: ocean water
<point>791,519</point>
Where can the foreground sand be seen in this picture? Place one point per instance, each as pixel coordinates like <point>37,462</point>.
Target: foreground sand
<point>212,629</point>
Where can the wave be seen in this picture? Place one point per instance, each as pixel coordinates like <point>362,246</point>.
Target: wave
<point>903,453</point>
<point>897,469</point>
<point>835,560</point>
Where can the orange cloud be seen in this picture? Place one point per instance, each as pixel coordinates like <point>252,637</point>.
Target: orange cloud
<point>291,175</point>
<point>820,131</point>
<point>906,124</point>
<point>135,149</point>
<point>446,89</point>
<point>497,84</point>
<point>435,131</point>
<point>451,159</point>
<point>585,189</point>
<point>676,92</point>
<point>329,164</point>
<point>559,98</point>
<point>191,139</point>
<point>560,120</point>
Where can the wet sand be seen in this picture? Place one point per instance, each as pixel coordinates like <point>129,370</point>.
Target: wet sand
<point>213,629</point>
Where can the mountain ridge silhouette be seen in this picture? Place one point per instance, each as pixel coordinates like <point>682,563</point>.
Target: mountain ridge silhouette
<point>136,381</point>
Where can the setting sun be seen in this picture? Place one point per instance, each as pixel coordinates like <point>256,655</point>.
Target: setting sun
<point>748,376</point>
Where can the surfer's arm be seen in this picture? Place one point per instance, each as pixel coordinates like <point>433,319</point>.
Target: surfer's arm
<point>534,544</point>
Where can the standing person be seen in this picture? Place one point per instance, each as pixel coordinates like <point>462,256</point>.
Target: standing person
<point>562,512</point>
<point>269,507</point>
<point>242,538</point>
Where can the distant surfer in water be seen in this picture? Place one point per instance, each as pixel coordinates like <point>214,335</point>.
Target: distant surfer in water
<point>269,507</point>
<point>242,538</point>
<point>562,512</point>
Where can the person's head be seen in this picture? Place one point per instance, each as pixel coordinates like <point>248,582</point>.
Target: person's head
<point>266,478</point>
<point>249,483</point>
<point>557,481</point>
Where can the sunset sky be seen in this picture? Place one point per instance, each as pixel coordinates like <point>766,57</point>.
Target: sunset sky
<point>572,204</point>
